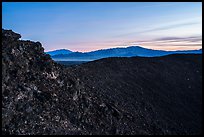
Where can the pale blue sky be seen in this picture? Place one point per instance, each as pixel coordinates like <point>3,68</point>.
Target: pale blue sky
<point>86,26</point>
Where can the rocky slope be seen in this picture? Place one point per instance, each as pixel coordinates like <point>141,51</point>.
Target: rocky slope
<point>108,96</point>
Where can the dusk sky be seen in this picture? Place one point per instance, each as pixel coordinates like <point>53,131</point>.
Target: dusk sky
<point>87,26</point>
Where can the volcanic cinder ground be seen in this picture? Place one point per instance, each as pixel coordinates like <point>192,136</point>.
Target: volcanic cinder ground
<point>137,95</point>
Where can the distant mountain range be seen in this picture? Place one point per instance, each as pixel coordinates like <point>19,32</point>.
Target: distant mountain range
<point>67,55</point>
<point>58,52</point>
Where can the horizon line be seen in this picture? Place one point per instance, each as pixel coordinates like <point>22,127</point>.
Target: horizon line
<point>123,47</point>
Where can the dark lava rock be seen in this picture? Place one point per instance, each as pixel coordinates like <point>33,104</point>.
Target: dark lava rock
<point>160,95</point>
<point>10,35</point>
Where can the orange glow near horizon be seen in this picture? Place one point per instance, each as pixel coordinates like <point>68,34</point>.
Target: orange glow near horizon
<point>168,45</point>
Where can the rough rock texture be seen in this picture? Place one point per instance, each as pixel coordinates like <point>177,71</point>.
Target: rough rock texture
<point>109,96</point>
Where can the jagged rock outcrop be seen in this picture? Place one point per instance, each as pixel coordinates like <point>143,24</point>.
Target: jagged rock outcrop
<point>42,97</point>
<point>108,96</point>
<point>10,35</point>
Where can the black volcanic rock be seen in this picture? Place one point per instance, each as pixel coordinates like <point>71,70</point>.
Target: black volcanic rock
<point>9,34</point>
<point>109,96</point>
<point>30,83</point>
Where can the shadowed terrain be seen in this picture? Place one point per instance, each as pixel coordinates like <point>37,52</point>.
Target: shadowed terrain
<point>136,95</point>
<point>69,63</point>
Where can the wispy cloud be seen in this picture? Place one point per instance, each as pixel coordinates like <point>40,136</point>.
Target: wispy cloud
<point>172,43</point>
<point>175,39</point>
<point>172,26</point>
